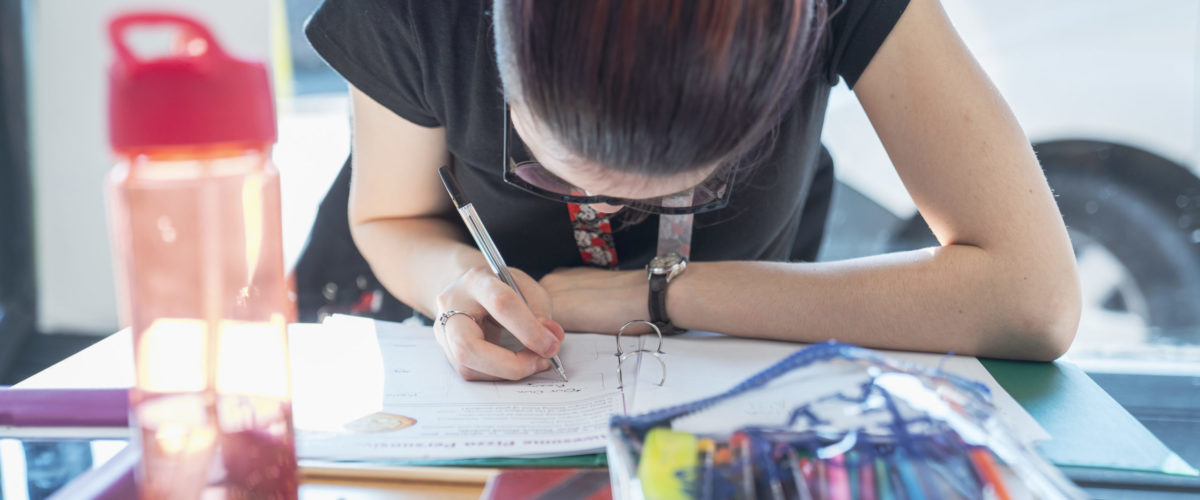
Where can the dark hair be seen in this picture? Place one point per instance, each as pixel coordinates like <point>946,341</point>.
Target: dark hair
<point>657,87</point>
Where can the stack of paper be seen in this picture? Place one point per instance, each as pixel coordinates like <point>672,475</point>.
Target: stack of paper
<point>368,390</point>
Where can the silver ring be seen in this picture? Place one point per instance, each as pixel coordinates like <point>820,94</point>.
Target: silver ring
<point>444,317</point>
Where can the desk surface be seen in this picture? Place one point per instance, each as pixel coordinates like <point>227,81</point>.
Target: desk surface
<point>1090,431</point>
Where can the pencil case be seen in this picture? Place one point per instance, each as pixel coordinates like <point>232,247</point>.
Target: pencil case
<point>831,421</point>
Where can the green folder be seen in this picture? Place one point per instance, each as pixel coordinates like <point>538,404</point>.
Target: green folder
<point>1088,428</point>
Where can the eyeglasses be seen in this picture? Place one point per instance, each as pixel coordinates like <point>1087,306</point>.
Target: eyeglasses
<point>531,177</point>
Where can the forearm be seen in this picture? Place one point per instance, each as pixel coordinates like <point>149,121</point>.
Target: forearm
<point>416,258</point>
<point>957,298</point>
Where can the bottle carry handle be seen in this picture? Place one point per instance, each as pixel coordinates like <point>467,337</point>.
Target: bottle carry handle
<point>195,40</point>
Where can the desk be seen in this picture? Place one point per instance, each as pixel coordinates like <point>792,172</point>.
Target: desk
<point>109,364</point>
<point>1095,441</point>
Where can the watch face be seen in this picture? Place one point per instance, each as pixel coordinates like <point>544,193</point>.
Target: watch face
<point>662,264</point>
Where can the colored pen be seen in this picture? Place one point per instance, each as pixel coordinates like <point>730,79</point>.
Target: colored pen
<point>484,241</point>
<point>908,476</point>
<point>740,444</point>
<point>839,482</point>
<point>866,479</point>
<point>770,466</point>
<point>852,474</point>
<point>987,470</point>
<point>708,450</point>
<point>883,490</point>
<point>815,476</point>
<point>724,471</point>
<point>802,489</point>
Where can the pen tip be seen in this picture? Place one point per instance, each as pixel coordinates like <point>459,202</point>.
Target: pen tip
<point>558,367</point>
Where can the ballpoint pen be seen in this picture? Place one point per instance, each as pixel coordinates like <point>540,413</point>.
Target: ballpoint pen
<point>485,244</point>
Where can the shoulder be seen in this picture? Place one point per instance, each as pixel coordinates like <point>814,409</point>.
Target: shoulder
<point>398,51</point>
<point>418,23</point>
<point>856,30</point>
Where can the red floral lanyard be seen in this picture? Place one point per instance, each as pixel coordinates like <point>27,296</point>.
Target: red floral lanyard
<point>593,235</point>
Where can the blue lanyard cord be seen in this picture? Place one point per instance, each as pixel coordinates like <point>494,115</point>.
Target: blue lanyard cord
<point>825,351</point>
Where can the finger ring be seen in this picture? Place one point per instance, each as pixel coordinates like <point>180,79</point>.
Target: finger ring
<point>444,317</point>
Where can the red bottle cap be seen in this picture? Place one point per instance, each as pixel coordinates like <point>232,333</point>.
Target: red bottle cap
<point>197,95</point>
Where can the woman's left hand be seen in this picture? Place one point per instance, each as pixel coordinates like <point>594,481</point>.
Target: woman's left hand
<point>588,299</point>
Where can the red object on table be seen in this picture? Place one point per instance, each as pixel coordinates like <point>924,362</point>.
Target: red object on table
<point>549,484</point>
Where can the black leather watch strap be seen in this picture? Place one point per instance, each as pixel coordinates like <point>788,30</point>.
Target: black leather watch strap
<point>658,305</point>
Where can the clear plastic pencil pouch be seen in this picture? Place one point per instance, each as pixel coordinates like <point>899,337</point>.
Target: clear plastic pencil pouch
<point>831,421</point>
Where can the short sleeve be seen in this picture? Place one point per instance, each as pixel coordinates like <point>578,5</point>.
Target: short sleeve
<point>858,28</point>
<point>372,44</point>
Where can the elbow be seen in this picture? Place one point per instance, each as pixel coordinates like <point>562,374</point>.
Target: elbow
<point>1052,335</point>
<point>1047,316</point>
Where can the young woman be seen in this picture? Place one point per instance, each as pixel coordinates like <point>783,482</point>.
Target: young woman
<point>573,124</point>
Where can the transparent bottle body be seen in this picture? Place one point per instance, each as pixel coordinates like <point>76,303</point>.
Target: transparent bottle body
<point>197,239</point>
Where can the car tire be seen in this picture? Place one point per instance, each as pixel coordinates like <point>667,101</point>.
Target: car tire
<point>1142,232</point>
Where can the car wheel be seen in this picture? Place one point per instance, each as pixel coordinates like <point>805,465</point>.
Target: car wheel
<point>1140,273</point>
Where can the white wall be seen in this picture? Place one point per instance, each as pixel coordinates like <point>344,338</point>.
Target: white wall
<point>69,55</point>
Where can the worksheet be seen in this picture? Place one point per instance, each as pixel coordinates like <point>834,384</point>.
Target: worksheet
<point>702,364</point>
<point>370,390</point>
<point>399,398</point>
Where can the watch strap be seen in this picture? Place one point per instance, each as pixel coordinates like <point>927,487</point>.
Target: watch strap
<point>658,305</point>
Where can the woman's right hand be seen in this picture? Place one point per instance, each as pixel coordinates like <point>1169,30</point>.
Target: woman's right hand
<point>403,222</point>
<point>471,345</point>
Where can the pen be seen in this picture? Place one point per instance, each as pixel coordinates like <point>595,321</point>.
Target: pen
<point>852,474</point>
<point>866,479</point>
<point>821,476</point>
<point>485,244</point>
<point>982,459</point>
<point>908,476</point>
<point>708,450</point>
<point>770,461</point>
<point>802,489</point>
<point>882,480</point>
<point>839,480</point>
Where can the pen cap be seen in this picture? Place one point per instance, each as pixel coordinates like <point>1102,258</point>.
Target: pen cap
<point>457,195</point>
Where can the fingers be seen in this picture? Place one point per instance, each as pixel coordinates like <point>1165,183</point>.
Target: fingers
<point>505,306</point>
<point>486,298</point>
<point>474,358</point>
<point>535,293</point>
<point>491,360</point>
<point>555,328</point>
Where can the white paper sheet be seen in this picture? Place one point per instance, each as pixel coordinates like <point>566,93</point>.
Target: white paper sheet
<point>406,402</point>
<point>366,390</point>
<point>701,364</point>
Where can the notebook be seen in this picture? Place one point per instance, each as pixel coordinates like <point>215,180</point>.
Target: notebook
<point>384,391</point>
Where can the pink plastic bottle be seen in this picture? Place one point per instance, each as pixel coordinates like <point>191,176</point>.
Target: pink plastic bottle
<point>195,216</point>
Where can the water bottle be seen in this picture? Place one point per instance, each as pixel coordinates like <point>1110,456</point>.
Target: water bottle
<point>194,211</point>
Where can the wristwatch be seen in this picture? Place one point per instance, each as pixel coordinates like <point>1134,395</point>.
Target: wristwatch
<point>660,272</point>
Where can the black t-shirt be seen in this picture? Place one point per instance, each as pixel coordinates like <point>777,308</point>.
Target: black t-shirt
<point>433,63</point>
